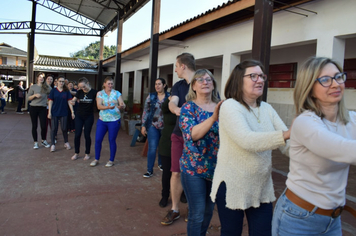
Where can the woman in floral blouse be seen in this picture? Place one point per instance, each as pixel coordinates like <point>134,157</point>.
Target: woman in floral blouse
<point>198,122</point>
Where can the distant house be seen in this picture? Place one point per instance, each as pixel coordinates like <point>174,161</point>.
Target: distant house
<point>13,63</point>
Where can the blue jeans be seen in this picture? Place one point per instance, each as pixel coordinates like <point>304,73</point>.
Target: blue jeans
<point>197,190</point>
<point>289,219</point>
<point>153,136</point>
<point>259,219</point>
<point>102,127</point>
<point>3,104</point>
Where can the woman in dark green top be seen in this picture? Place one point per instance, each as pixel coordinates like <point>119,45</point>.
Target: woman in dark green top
<point>169,120</point>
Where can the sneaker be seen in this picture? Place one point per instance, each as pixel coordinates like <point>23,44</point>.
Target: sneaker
<point>53,148</point>
<point>109,164</point>
<point>45,144</point>
<point>35,146</point>
<point>87,157</point>
<point>20,113</point>
<point>55,141</point>
<point>160,167</point>
<point>67,146</point>
<point>94,163</point>
<point>170,217</point>
<point>3,112</point>
<point>163,203</point>
<point>148,174</point>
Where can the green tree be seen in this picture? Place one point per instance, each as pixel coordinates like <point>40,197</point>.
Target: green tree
<point>92,51</point>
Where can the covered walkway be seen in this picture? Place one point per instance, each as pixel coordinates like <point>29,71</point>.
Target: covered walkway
<point>43,193</point>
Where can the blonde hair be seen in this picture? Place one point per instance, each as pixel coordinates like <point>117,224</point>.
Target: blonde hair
<point>192,94</point>
<point>303,99</point>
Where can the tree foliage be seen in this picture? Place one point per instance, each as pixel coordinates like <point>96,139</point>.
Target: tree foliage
<point>92,51</point>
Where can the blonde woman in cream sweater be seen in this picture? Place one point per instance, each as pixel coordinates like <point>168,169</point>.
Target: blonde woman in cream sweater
<point>249,130</point>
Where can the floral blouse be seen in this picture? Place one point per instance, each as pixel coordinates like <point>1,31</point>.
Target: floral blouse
<point>157,120</point>
<point>112,100</point>
<point>199,157</point>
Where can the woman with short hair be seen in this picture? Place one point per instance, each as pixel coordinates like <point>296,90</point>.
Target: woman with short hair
<point>109,101</point>
<point>249,130</point>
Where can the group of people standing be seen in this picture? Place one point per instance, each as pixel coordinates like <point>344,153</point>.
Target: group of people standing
<point>51,105</point>
<point>221,151</point>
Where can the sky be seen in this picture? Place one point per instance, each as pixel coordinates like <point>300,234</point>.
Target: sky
<point>135,30</point>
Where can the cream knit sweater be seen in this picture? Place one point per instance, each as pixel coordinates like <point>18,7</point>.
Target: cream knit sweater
<point>244,159</point>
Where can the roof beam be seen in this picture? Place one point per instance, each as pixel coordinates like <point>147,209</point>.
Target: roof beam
<point>232,8</point>
<point>50,27</point>
<point>69,13</point>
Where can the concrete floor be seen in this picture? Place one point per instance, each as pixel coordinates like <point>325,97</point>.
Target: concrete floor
<point>43,193</point>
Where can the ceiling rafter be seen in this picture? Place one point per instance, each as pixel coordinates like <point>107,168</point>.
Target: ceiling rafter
<point>108,5</point>
<point>69,13</point>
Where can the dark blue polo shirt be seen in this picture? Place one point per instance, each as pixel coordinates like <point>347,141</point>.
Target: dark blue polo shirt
<point>179,89</point>
<point>60,102</point>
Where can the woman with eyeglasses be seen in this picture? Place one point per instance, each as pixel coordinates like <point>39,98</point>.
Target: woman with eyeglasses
<point>322,147</point>
<point>199,124</point>
<point>249,130</point>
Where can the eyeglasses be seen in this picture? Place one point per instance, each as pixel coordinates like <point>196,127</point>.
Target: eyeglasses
<point>327,81</point>
<point>254,77</point>
<point>201,80</point>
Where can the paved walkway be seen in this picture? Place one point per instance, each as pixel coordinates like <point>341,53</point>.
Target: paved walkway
<point>43,193</point>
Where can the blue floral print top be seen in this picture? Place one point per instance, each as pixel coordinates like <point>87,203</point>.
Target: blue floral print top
<point>112,100</point>
<point>199,157</point>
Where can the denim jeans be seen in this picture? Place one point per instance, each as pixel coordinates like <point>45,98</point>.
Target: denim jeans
<point>153,136</point>
<point>197,190</point>
<point>3,104</point>
<point>112,127</point>
<point>289,219</point>
<point>259,219</point>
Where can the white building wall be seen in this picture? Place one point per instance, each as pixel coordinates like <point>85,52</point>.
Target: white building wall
<point>294,39</point>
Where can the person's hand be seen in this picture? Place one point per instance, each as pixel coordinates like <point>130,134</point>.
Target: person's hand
<point>121,107</point>
<point>177,111</point>
<point>49,116</point>
<point>215,115</point>
<point>37,95</point>
<point>110,107</point>
<point>286,134</point>
<point>73,116</point>
<point>143,131</point>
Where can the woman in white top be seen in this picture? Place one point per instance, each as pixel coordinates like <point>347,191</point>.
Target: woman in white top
<point>248,129</point>
<point>322,147</point>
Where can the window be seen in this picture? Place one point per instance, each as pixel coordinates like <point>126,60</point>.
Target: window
<point>350,69</point>
<point>4,61</point>
<point>282,75</point>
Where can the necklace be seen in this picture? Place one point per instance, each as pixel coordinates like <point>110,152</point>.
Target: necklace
<point>257,117</point>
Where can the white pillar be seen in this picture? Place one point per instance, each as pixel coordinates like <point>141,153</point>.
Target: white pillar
<point>229,62</point>
<point>137,86</point>
<point>125,85</point>
<point>332,47</point>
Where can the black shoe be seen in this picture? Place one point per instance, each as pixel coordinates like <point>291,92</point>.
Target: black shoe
<point>163,202</point>
<point>183,199</point>
<point>148,174</point>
